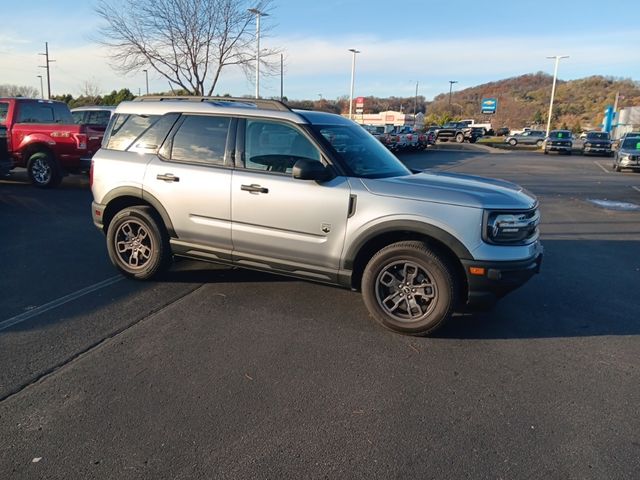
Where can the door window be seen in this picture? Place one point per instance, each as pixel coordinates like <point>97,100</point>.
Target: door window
<point>276,147</point>
<point>201,139</point>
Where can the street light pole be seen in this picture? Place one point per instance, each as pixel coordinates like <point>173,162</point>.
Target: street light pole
<point>451,82</point>
<point>258,14</point>
<point>553,88</point>
<point>146,75</point>
<point>353,73</point>
<point>41,87</point>
<point>47,62</point>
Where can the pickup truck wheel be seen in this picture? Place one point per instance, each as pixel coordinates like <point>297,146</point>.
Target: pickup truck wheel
<point>43,170</point>
<point>407,288</point>
<point>137,245</point>
<point>460,138</point>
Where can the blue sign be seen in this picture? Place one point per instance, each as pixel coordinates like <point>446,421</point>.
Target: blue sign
<point>489,105</point>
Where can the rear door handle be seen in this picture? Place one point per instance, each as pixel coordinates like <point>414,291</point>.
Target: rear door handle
<point>254,188</point>
<point>168,177</point>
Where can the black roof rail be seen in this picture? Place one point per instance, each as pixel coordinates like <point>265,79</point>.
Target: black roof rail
<point>265,104</point>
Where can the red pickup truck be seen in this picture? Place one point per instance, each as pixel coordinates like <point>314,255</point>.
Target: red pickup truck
<point>41,137</point>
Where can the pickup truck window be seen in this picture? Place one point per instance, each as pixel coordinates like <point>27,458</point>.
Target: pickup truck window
<point>4,108</point>
<point>30,112</point>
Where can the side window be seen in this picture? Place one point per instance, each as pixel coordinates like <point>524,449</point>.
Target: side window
<point>4,108</point>
<point>275,147</point>
<point>78,117</point>
<point>126,128</point>
<point>201,138</point>
<point>153,137</point>
<point>62,113</point>
<point>98,117</point>
<point>31,112</point>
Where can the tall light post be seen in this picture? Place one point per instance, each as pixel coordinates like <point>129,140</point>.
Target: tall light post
<point>146,76</point>
<point>451,82</point>
<point>258,14</point>
<point>553,88</point>
<point>353,74</point>
<point>41,87</point>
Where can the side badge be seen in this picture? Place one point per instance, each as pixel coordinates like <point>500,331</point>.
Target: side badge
<point>326,227</point>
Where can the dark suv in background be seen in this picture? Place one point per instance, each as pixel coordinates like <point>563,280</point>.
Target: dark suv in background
<point>559,141</point>
<point>597,143</point>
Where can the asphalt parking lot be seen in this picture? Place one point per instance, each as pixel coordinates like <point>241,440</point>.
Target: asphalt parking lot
<point>215,373</point>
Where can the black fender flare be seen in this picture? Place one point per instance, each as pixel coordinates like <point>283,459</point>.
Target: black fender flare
<point>145,197</point>
<point>412,226</point>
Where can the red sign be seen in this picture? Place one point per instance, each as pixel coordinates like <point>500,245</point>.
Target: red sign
<point>359,102</point>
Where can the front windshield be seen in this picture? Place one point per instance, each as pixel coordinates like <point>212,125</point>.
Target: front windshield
<point>560,134</point>
<point>631,143</point>
<point>597,136</point>
<point>361,153</point>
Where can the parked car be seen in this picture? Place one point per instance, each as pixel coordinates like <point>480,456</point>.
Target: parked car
<point>502,132</point>
<point>597,143</point>
<point>486,127</point>
<point>529,137</point>
<point>560,141</point>
<point>42,137</point>
<point>209,180</point>
<point>628,154</point>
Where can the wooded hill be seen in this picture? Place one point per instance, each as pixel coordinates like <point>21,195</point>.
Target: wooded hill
<point>524,100</point>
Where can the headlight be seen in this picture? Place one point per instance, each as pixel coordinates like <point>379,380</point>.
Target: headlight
<point>511,228</point>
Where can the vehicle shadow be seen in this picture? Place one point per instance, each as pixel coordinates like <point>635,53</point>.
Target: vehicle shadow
<point>585,288</point>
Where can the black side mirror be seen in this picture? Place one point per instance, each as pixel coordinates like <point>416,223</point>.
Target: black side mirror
<point>307,169</point>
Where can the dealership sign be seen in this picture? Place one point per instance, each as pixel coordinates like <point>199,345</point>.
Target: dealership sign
<point>489,105</point>
<point>359,104</point>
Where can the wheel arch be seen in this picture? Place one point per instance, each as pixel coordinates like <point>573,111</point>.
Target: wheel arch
<point>442,242</point>
<point>124,197</point>
<point>34,148</point>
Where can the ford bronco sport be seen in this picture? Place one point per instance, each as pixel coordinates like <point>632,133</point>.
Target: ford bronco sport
<point>251,183</point>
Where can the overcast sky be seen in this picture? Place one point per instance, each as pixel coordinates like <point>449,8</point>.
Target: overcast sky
<point>430,42</point>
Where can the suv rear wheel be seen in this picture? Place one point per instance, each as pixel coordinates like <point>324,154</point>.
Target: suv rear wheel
<point>137,245</point>
<point>408,288</point>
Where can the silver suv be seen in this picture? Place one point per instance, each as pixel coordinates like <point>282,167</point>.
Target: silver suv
<point>253,184</point>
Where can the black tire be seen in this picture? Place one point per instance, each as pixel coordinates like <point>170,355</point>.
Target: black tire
<point>431,287</point>
<point>137,243</point>
<point>569,152</point>
<point>546,152</point>
<point>43,170</point>
<point>539,143</point>
<point>513,142</point>
<point>615,167</point>
<point>459,137</point>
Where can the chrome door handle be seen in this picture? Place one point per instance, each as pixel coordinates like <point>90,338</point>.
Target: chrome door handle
<point>168,177</point>
<point>254,188</point>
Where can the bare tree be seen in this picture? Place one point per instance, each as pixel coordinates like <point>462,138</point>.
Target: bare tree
<point>19,91</point>
<point>188,42</point>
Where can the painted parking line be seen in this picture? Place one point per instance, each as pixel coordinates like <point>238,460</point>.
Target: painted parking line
<point>58,302</point>
<point>637,189</point>
<point>605,170</point>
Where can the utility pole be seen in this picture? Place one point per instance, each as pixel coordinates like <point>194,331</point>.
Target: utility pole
<point>146,76</point>
<point>47,61</point>
<point>451,82</point>
<point>258,14</point>
<point>553,88</point>
<point>281,78</point>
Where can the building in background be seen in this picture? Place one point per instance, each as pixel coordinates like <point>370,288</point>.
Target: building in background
<point>390,119</point>
<point>628,121</point>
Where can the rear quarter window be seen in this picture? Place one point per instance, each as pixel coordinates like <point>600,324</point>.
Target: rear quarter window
<point>32,112</point>
<point>125,129</point>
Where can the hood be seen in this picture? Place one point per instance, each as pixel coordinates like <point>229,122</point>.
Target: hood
<point>628,151</point>
<point>456,189</point>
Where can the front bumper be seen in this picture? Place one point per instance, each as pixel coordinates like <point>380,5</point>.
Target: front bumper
<point>598,150</point>
<point>499,278</point>
<point>558,148</point>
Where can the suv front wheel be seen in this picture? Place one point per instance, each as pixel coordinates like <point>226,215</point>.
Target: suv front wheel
<point>408,288</point>
<point>137,244</point>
